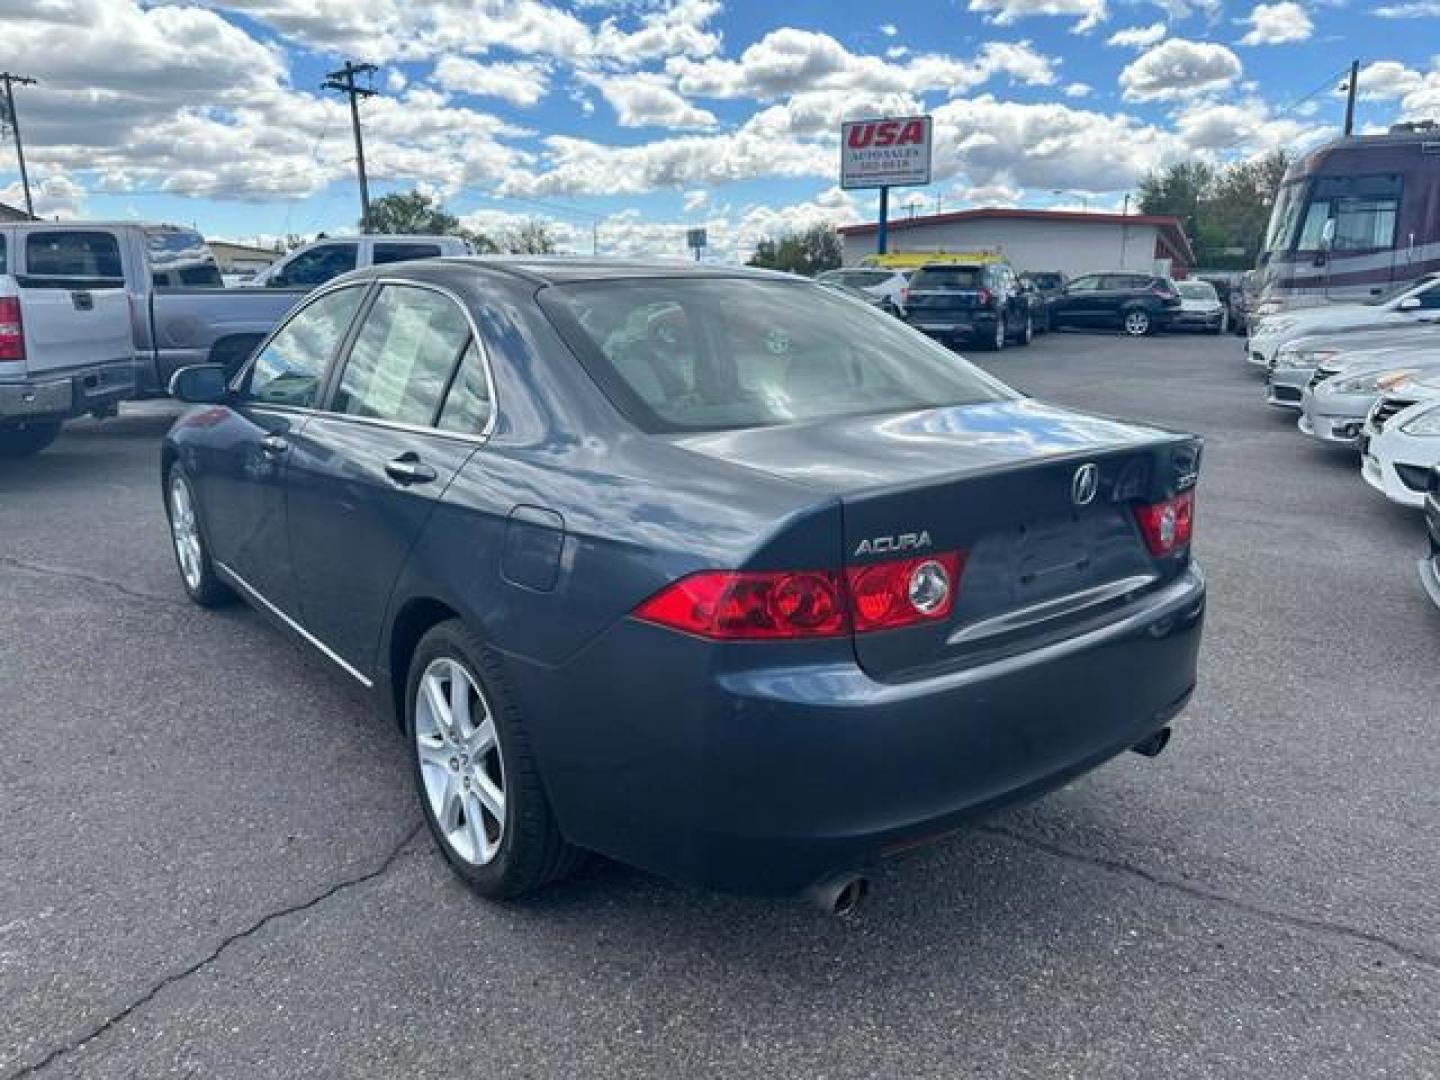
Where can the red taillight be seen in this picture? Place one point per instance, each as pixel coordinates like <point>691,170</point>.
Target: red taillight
<point>888,595</point>
<point>787,604</point>
<point>1167,525</point>
<point>737,606</point>
<point>12,331</point>
<point>985,296</point>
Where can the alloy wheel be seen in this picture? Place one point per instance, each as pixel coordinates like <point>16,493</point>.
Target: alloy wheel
<point>458,748</point>
<point>185,532</point>
<point>1137,323</point>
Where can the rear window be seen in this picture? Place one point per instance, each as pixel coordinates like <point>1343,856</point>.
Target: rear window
<point>712,354</point>
<point>1197,290</point>
<point>948,277</point>
<point>73,254</point>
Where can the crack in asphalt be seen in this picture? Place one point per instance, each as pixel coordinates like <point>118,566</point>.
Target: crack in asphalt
<point>240,935</point>
<point>71,574</point>
<point>1300,922</point>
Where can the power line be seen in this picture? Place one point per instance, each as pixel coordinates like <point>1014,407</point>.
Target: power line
<point>10,82</point>
<point>344,81</point>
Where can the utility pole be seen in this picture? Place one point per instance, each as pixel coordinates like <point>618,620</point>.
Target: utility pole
<point>1350,98</point>
<point>10,80</point>
<point>344,81</point>
<point>1124,229</point>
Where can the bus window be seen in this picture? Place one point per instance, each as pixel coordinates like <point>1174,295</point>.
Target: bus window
<point>1364,208</point>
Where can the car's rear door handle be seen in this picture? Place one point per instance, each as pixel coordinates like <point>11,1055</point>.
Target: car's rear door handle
<point>274,445</point>
<point>409,469</point>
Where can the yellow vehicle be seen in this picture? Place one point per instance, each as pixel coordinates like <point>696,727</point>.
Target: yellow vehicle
<point>913,260</point>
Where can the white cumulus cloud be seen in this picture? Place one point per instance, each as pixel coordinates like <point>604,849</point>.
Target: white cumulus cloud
<point>1179,68</point>
<point>1277,24</point>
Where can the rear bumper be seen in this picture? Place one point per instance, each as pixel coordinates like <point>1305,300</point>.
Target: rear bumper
<point>704,768</point>
<point>73,394</point>
<point>980,322</point>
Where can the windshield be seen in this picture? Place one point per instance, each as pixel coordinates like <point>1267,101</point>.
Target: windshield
<point>1197,290</point>
<point>717,353</point>
<point>1284,216</point>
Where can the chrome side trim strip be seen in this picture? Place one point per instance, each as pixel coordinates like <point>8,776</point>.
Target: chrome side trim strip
<point>249,590</point>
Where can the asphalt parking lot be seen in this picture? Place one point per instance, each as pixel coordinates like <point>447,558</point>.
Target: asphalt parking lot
<point>211,862</point>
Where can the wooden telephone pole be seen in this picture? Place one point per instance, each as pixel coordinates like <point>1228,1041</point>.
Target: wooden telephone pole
<point>10,82</point>
<point>344,81</point>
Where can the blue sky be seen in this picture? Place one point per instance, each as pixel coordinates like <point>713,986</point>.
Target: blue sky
<point>635,120</point>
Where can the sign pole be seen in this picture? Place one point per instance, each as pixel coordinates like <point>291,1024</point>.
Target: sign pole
<point>881,237</point>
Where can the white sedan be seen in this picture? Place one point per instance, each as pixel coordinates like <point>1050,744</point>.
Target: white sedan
<point>1417,302</point>
<point>1400,448</point>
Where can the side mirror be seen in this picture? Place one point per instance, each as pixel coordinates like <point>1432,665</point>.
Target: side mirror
<point>1327,234</point>
<point>200,384</point>
<point>1410,303</point>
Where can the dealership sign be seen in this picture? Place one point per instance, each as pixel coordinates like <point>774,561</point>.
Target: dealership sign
<point>885,153</point>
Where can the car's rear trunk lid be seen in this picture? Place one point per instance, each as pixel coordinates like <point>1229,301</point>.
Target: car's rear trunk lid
<point>1039,501</point>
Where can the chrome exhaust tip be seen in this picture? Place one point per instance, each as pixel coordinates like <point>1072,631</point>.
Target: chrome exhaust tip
<point>840,895</point>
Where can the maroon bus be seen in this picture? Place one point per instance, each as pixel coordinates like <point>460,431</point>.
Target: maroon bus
<point>1353,219</point>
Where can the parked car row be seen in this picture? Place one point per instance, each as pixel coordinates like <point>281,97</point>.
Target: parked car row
<point>982,300</point>
<point>1367,376</point>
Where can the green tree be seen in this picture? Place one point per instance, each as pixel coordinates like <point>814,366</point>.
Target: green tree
<point>810,252</point>
<point>532,238</point>
<point>1225,211</point>
<point>412,212</point>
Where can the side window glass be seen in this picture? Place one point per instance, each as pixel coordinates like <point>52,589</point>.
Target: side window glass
<point>1085,284</point>
<point>467,405</point>
<point>393,253</point>
<point>2,256</point>
<point>403,356</point>
<point>289,369</point>
<point>73,255</point>
<point>318,265</point>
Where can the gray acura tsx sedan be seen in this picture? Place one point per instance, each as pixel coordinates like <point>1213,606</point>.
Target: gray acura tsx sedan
<point>709,570</point>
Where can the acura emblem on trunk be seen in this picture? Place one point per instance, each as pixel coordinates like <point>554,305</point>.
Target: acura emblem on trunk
<point>1083,484</point>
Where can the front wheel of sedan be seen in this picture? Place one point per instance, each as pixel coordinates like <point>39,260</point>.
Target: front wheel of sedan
<point>477,777</point>
<point>187,538</point>
<point>1137,322</point>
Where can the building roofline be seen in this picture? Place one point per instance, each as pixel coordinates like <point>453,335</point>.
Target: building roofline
<point>1168,224</point>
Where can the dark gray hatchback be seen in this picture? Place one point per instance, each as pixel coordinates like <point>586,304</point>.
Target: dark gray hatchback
<point>710,571</point>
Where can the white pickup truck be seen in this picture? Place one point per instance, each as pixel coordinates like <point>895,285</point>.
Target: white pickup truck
<point>64,352</point>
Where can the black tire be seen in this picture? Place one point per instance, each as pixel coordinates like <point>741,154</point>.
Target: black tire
<point>27,437</point>
<point>204,588</point>
<point>531,853</point>
<point>995,341</point>
<point>1028,334</point>
<point>1136,322</point>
